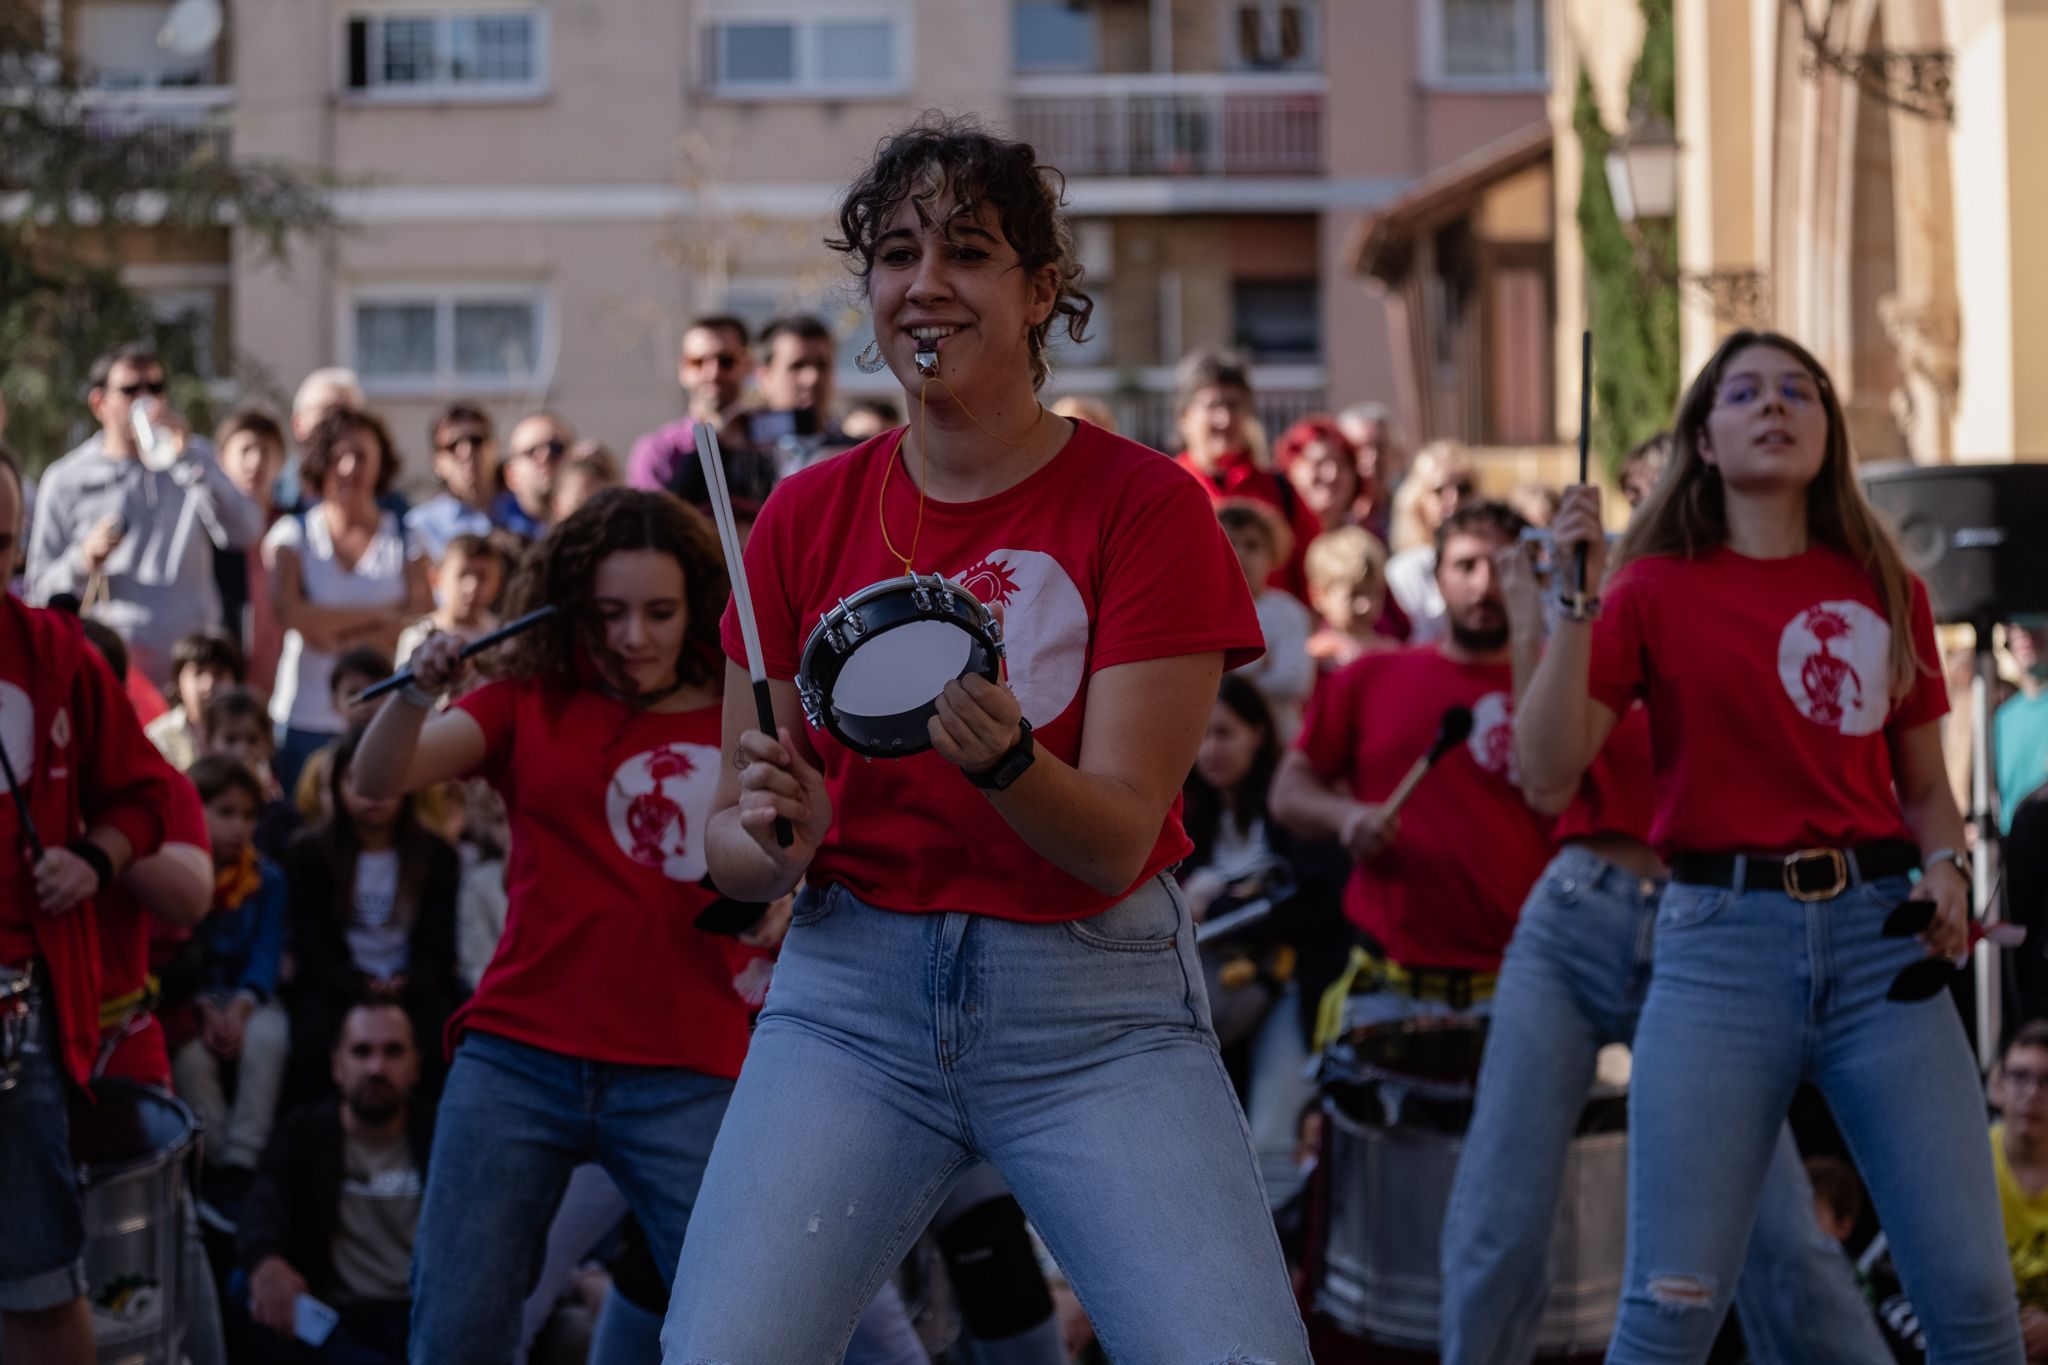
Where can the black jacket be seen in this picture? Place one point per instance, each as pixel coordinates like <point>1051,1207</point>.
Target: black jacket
<point>293,1208</point>
<point>319,924</point>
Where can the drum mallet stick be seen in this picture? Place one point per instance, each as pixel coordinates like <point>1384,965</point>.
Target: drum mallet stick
<point>469,651</point>
<point>1237,919</point>
<point>1452,730</point>
<point>21,810</point>
<point>743,601</point>
<point>1585,452</point>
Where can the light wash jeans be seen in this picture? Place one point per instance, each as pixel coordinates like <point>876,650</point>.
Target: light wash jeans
<point>1573,982</point>
<point>514,1122</point>
<point>1283,1084</point>
<point>1076,1058</point>
<point>1751,993</point>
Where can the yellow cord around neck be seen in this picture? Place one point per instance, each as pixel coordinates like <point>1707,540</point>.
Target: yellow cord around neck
<point>881,499</point>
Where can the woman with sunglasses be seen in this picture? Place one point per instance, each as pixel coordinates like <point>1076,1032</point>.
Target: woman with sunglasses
<point>1787,660</point>
<point>989,959</point>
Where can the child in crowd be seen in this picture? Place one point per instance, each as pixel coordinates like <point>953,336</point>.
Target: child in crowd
<point>236,724</point>
<point>251,446</point>
<point>353,671</point>
<point>1285,674</point>
<point>232,962</point>
<point>466,584</point>
<point>481,908</point>
<point>1347,585</point>
<point>202,663</point>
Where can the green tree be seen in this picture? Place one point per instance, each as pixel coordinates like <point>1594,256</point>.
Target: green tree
<point>1631,277</point>
<point>72,189</point>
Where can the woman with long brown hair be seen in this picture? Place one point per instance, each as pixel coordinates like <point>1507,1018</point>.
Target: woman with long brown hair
<point>606,1027</point>
<point>1786,657</point>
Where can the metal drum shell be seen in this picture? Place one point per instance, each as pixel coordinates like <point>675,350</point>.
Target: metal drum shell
<point>133,1199</point>
<point>880,608</point>
<point>1390,1155</point>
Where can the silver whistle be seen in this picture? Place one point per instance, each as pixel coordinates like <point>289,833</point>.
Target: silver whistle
<point>927,360</point>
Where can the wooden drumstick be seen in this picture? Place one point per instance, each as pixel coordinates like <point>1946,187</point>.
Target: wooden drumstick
<point>1452,730</point>
<point>742,600</point>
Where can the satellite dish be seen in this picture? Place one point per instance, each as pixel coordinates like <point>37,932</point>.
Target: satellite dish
<point>191,28</point>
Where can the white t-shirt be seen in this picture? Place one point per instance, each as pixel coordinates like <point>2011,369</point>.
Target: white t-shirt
<point>377,941</point>
<point>1411,578</point>
<point>376,580</point>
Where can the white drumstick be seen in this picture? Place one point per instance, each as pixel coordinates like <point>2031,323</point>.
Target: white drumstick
<point>742,600</point>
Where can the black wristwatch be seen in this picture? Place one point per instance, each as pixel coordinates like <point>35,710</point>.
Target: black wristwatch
<point>1007,769</point>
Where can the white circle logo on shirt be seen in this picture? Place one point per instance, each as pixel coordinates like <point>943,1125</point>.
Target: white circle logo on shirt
<point>656,805</point>
<point>17,732</point>
<point>1045,627</point>
<point>1835,661</point>
<point>1492,741</point>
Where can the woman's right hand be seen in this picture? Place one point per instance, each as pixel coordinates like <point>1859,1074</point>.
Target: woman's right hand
<point>437,664</point>
<point>775,781</point>
<point>1578,522</point>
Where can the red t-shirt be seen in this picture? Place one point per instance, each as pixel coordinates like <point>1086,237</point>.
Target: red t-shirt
<point>1107,555</point>
<point>607,807</point>
<point>1767,683</point>
<point>1619,792</point>
<point>17,732</point>
<point>1448,891</point>
<point>1237,477</point>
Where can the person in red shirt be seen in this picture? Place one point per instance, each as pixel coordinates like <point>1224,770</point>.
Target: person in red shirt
<point>1786,657</point>
<point>1218,428</point>
<point>989,958</point>
<point>93,790</point>
<point>1571,983</point>
<point>1433,917</point>
<point>606,1028</point>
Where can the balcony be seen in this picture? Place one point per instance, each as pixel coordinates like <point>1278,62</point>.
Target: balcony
<point>1174,124</point>
<point>161,129</point>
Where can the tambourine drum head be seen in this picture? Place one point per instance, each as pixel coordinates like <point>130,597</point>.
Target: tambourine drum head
<point>902,669</point>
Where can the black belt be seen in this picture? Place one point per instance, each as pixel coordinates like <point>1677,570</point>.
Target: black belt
<point>1811,874</point>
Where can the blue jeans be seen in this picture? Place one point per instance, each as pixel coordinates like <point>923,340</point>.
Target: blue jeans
<point>42,1232</point>
<point>514,1122</point>
<point>1574,981</point>
<point>1078,1059</point>
<point>1753,992</point>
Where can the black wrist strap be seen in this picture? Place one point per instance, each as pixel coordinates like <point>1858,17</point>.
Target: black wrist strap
<point>102,865</point>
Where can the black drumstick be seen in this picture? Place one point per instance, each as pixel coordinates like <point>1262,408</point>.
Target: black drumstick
<point>1452,730</point>
<point>469,651</point>
<point>1585,445</point>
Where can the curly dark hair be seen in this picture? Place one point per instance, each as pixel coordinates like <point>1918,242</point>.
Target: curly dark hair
<point>562,569</point>
<point>939,156</point>
<point>317,460</point>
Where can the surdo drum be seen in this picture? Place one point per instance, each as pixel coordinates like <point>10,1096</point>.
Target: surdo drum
<point>133,1147</point>
<point>1397,1099</point>
<point>874,665</point>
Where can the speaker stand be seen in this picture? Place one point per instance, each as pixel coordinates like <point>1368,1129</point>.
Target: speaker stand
<point>1986,857</point>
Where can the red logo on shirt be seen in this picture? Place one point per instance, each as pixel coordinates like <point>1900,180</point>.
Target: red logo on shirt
<point>1832,660</point>
<point>656,803</point>
<point>991,581</point>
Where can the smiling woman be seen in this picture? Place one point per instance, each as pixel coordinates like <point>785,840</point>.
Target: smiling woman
<point>1005,892</point>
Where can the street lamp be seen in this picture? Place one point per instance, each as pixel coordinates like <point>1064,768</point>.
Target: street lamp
<point>1642,170</point>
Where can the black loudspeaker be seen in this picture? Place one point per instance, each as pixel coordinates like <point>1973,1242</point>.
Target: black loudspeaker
<point>1978,534</point>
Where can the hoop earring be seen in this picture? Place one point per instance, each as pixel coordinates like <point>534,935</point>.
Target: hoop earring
<point>870,360</point>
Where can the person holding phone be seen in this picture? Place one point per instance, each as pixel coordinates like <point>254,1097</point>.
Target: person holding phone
<point>128,522</point>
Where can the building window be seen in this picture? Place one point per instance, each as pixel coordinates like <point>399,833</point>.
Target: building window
<point>1271,35</point>
<point>1054,35</point>
<point>826,54</point>
<point>1277,320</point>
<point>1484,42</point>
<point>478,338</point>
<point>455,54</point>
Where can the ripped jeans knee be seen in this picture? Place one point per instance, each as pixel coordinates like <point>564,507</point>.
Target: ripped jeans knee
<point>1680,1293</point>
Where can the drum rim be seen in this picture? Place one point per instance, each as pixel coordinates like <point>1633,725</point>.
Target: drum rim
<point>156,1157</point>
<point>978,624</point>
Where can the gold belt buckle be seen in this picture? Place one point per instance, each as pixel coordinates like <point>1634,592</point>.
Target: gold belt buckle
<point>1833,855</point>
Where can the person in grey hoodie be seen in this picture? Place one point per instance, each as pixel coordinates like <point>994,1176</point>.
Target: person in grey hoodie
<point>147,529</point>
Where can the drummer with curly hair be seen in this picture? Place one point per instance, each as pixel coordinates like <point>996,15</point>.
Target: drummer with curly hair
<point>990,958</point>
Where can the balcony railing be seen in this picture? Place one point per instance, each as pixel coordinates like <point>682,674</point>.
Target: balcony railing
<point>161,130</point>
<point>1174,125</point>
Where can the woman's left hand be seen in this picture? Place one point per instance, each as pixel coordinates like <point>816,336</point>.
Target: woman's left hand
<point>1949,935</point>
<point>976,724</point>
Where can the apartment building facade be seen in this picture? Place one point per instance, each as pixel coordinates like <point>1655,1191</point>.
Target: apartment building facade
<point>542,192</point>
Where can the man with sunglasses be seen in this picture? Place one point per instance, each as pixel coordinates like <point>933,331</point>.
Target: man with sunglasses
<point>466,464</point>
<point>540,447</point>
<point>134,539</point>
<point>713,370</point>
